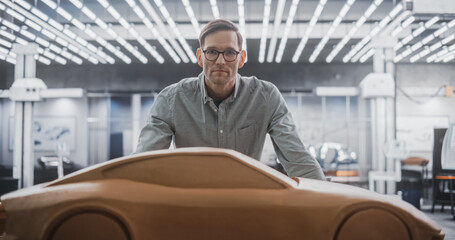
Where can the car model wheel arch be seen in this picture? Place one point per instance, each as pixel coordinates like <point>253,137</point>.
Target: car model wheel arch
<point>88,224</point>
<point>373,223</point>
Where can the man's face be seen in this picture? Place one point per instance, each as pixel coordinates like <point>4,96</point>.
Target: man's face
<point>220,72</point>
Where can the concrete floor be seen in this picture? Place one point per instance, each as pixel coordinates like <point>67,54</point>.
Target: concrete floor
<point>444,219</point>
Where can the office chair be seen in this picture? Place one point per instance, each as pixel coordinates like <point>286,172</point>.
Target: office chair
<point>443,179</point>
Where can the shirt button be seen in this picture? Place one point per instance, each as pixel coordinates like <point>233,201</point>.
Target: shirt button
<point>221,131</point>
<point>216,110</point>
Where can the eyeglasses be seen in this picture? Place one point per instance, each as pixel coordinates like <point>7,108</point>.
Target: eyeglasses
<point>228,55</point>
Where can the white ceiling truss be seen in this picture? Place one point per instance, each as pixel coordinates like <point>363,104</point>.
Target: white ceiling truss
<point>274,31</point>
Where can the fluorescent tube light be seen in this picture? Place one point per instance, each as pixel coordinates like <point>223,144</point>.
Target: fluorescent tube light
<point>13,26</point>
<point>21,41</point>
<point>64,13</point>
<point>177,33</point>
<point>42,42</point>
<point>77,3</point>
<point>50,3</point>
<point>55,24</point>
<point>88,13</point>
<point>215,11</point>
<point>308,31</point>
<point>48,34</point>
<point>15,14</point>
<point>6,43</point>
<point>373,6</point>
<point>163,29</point>
<point>78,24</point>
<point>376,30</point>
<point>332,28</point>
<point>27,34</point>
<point>113,12</point>
<point>61,41</point>
<point>287,29</point>
<point>40,14</point>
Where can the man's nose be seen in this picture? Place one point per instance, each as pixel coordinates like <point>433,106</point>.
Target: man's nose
<point>220,60</point>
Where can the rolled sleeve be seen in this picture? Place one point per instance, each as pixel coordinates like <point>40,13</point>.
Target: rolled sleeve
<point>289,149</point>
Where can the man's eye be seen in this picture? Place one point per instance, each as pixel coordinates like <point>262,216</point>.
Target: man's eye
<point>231,52</point>
<point>212,52</point>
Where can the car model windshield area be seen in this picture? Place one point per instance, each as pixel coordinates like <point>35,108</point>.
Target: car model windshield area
<point>195,171</point>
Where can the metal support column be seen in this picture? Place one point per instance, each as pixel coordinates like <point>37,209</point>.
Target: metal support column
<point>23,164</point>
<point>383,123</point>
<point>390,127</point>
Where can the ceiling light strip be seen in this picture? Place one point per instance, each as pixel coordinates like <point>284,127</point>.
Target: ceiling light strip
<point>308,31</point>
<point>416,33</point>
<point>370,10</point>
<point>52,56</point>
<point>406,23</point>
<point>8,52</point>
<point>396,22</point>
<point>45,25</point>
<point>265,26</point>
<point>439,56</point>
<point>133,32</point>
<point>385,31</point>
<point>241,10</point>
<point>43,59</point>
<point>151,11</point>
<point>6,43</point>
<point>27,34</point>
<point>10,56</point>
<point>445,56</point>
<point>215,11</point>
<point>99,39</point>
<point>276,28</point>
<point>450,57</point>
<point>373,32</point>
<point>365,57</point>
<point>7,55</point>
<point>74,21</point>
<point>287,29</point>
<point>41,51</point>
<point>430,49</point>
<point>425,41</point>
<point>108,45</point>
<point>149,25</point>
<point>360,47</point>
<point>176,31</point>
<point>190,12</point>
<point>21,41</point>
<point>83,42</point>
<point>335,23</point>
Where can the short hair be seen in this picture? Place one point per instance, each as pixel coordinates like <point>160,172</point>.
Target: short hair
<point>220,25</point>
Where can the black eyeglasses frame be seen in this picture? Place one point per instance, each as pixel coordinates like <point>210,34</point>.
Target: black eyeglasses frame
<point>236,55</point>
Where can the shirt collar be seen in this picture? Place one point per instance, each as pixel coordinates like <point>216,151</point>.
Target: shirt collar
<point>206,98</point>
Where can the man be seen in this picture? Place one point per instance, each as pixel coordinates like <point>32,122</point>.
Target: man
<point>222,109</point>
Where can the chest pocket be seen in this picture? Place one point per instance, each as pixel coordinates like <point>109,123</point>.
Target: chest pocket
<point>245,138</point>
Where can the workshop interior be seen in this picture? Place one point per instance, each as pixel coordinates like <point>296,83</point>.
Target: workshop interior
<point>369,84</point>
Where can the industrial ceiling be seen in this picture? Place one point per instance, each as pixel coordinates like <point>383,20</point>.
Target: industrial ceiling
<point>278,31</point>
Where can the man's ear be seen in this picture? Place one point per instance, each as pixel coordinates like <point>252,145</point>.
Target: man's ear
<point>242,58</point>
<point>199,57</point>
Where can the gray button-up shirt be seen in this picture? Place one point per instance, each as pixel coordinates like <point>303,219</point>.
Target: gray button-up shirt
<point>185,112</point>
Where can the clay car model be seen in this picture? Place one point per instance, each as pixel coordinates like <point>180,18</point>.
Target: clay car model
<point>204,193</point>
